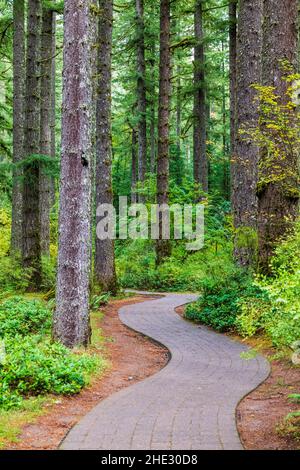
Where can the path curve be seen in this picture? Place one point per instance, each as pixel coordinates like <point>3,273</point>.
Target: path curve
<point>190,404</point>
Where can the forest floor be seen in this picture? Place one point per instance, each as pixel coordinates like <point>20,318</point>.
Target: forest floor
<point>133,358</point>
<point>262,414</point>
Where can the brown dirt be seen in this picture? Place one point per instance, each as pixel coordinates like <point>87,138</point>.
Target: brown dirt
<point>262,411</point>
<point>133,358</point>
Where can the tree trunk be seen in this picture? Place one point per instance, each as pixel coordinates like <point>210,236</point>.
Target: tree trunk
<point>225,186</point>
<point>152,137</point>
<point>31,197</point>
<point>163,247</point>
<point>200,158</point>
<point>245,161</point>
<point>46,121</point>
<point>232,69</point>
<point>298,38</point>
<point>53,104</point>
<point>152,108</point>
<point>141,92</point>
<point>179,162</point>
<point>94,71</point>
<point>71,319</point>
<point>133,167</point>
<point>18,123</point>
<point>279,195</point>
<point>105,273</point>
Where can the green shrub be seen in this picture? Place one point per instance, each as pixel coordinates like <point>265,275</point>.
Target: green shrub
<point>48,274</point>
<point>220,303</point>
<point>98,301</point>
<point>5,231</point>
<point>8,398</point>
<point>184,271</point>
<point>13,278</point>
<point>255,314</point>
<point>34,366</point>
<point>284,328</point>
<point>21,316</point>
<point>279,316</point>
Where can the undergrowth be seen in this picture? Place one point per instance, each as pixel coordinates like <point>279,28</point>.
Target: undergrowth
<point>30,363</point>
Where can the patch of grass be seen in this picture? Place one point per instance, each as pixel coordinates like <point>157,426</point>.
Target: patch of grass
<point>98,339</point>
<point>11,422</point>
<point>249,355</point>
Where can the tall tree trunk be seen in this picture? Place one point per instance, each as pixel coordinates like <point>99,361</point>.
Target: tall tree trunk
<point>105,272</point>
<point>31,194</point>
<point>232,69</point>
<point>141,91</point>
<point>133,167</point>
<point>18,123</point>
<point>94,60</point>
<point>152,118</point>
<point>46,121</point>
<point>298,39</point>
<point>163,247</point>
<point>153,97</point>
<point>225,186</point>
<point>279,193</point>
<point>71,319</point>
<point>179,166</point>
<point>245,162</point>
<point>53,104</point>
<point>152,137</point>
<point>200,158</point>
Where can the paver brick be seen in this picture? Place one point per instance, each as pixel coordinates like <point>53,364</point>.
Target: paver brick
<point>190,404</point>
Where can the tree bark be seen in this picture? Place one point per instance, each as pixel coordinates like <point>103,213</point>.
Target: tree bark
<point>245,161</point>
<point>200,158</point>
<point>141,92</point>
<point>163,247</point>
<point>53,104</point>
<point>152,137</point>
<point>179,162</point>
<point>153,107</point>
<point>298,39</point>
<point>226,184</point>
<point>46,122</point>
<point>71,318</point>
<point>94,71</point>
<point>133,167</point>
<point>232,69</point>
<point>31,194</point>
<point>18,122</point>
<point>278,204</point>
<point>153,122</point>
<point>105,272</point>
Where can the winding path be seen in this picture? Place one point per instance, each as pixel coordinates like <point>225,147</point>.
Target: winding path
<point>190,404</point>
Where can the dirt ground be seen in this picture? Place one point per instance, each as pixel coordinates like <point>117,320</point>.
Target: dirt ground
<point>133,358</point>
<point>260,413</point>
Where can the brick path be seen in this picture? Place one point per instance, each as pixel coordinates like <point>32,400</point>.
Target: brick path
<point>190,404</point>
